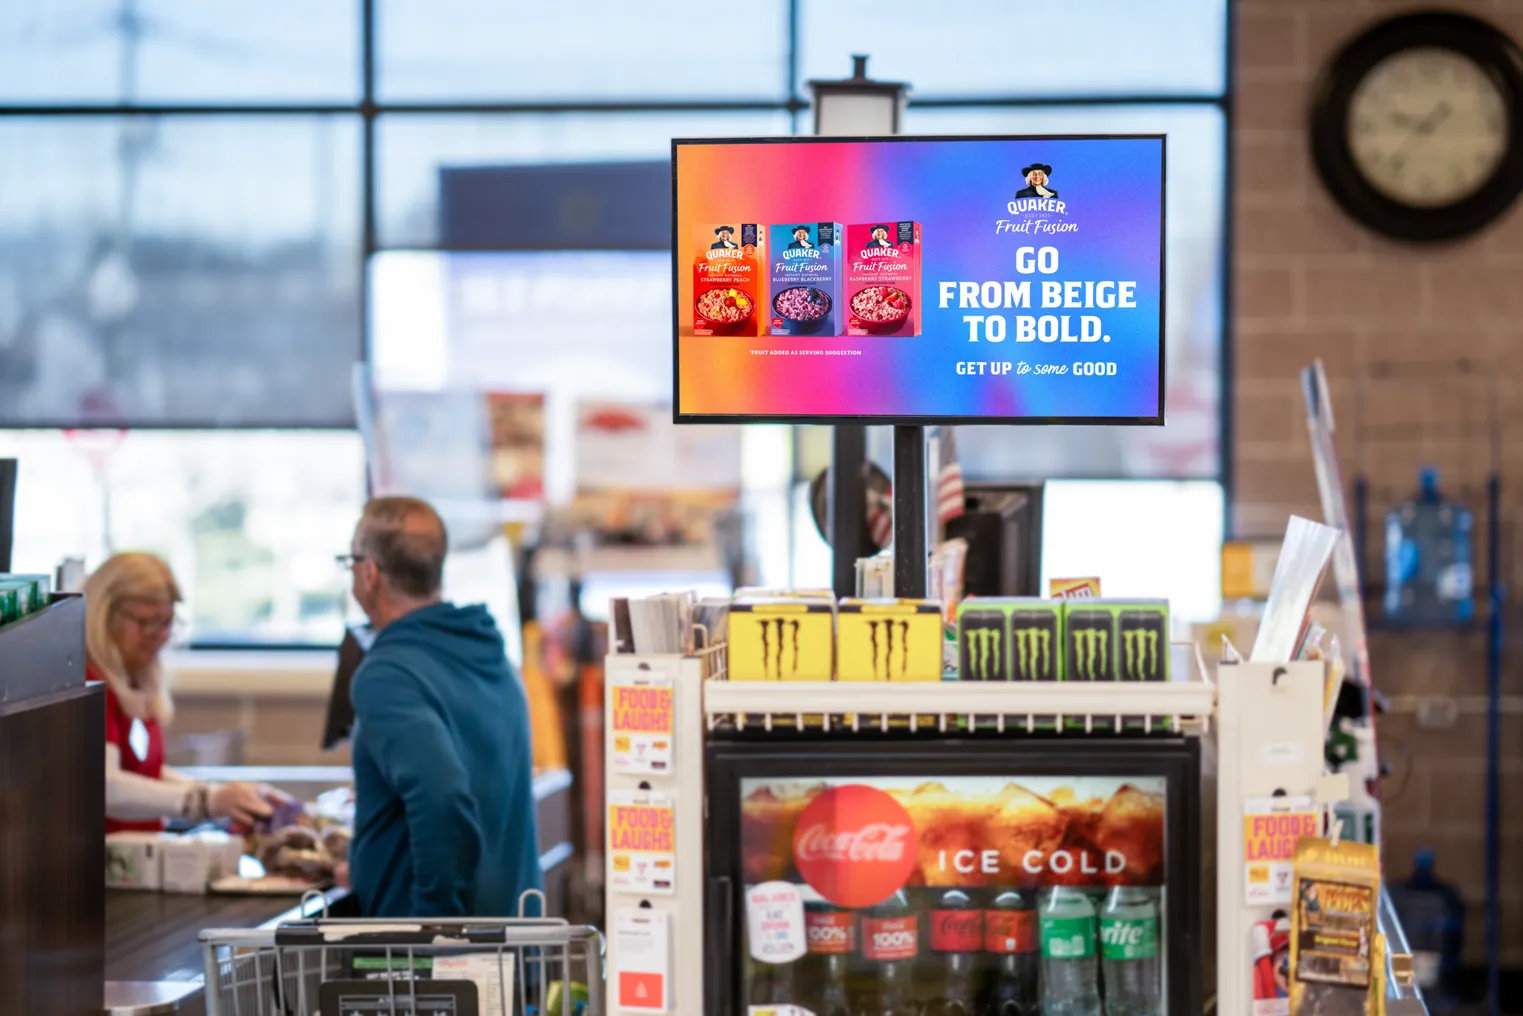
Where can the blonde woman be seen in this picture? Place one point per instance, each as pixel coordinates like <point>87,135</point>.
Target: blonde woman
<point>129,612</point>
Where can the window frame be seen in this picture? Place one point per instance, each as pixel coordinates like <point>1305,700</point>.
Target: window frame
<point>370,108</point>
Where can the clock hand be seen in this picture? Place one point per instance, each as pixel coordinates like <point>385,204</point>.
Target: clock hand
<point>1424,127</point>
<point>1432,120</point>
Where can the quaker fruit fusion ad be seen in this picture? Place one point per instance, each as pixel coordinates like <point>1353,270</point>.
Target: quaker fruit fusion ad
<point>1015,279</point>
<point>856,842</point>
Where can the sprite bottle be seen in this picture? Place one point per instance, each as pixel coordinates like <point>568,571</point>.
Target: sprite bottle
<point>1129,951</point>
<point>1070,973</point>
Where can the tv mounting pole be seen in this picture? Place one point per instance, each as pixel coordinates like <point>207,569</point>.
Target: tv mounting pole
<point>861,107</point>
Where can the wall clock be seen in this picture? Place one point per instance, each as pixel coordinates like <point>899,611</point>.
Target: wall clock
<point>1417,126</point>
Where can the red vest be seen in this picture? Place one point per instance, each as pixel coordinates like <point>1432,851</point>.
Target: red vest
<point>119,732</point>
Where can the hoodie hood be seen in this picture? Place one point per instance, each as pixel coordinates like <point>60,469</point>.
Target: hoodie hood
<point>466,636</point>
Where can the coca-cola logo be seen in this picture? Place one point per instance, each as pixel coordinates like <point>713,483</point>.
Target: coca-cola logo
<point>855,845</point>
<point>957,930</point>
<point>891,938</point>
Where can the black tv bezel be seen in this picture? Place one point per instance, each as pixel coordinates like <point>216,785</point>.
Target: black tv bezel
<point>1157,420</point>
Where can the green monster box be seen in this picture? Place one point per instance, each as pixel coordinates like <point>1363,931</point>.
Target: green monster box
<point>1010,639</point>
<point>32,590</point>
<point>1117,640</point>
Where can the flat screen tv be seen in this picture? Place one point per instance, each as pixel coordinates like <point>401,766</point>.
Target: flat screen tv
<point>919,279</point>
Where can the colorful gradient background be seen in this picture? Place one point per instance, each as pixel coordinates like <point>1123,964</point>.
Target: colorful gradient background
<point>957,189</point>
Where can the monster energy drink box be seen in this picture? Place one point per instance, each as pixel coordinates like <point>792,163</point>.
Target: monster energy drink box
<point>1117,640</point>
<point>31,591</point>
<point>1010,639</point>
<point>888,640</point>
<point>782,639</point>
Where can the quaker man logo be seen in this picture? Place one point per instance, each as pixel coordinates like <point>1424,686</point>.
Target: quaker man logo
<point>855,845</point>
<point>1036,203</point>
<point>882,245</point>
<point>724,246</point>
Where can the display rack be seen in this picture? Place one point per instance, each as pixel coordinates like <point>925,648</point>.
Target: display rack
<point>1259,727</point>
<point>684,784</point>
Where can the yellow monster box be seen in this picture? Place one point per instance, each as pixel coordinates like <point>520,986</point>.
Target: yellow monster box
<point>889,640</point>
<point>782,640</point>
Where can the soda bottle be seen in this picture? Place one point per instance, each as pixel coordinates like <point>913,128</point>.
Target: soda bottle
<point>1010,942</point>
<point>957,937</point>
<point>1070,974</point>
<point>1129,951</point>
<point>832,934</point>
<point>890,946</point>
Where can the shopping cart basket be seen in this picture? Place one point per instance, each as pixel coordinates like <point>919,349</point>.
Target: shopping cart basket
<point>521,966</point>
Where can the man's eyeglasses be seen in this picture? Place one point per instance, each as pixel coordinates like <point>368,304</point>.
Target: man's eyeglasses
<point>349,560</point>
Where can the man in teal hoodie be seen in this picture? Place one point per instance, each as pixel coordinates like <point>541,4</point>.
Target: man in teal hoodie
<point>443,772</point>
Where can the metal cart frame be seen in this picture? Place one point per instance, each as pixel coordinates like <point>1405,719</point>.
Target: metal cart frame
<point>279,971</point>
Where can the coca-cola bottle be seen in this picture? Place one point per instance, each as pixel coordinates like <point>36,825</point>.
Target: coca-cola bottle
<point>957,939</point>
<point>1012,943</point>
<point>832,934</point>
<point>890,945</point>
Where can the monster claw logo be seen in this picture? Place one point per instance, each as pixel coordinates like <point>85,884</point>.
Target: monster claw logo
<point>779,628</point>
<point>1142,645</point>
<point>1033,634</point>
<point>888,648</point>
<point>1090,640</point>
<point>983,642</point>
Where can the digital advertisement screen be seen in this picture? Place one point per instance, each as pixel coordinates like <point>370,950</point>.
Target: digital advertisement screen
<point>955,279</point>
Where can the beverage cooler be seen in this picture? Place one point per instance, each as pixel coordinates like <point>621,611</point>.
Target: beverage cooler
<point>869,869</point>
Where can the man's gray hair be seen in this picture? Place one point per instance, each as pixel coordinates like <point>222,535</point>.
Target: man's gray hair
<point>406,539</point>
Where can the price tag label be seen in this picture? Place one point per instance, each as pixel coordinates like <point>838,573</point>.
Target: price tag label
<point>641,710</point>
<point>775,923</point>
<point>642,959</point>
<point>1271,827</point>
<point>642,843</point>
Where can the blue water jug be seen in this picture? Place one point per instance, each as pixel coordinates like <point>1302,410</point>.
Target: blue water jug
<point>1429,579</point>
<point>1433,917</point>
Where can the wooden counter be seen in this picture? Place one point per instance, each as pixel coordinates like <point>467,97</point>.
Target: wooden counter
<point>153,936</point>
<point>52,817</point>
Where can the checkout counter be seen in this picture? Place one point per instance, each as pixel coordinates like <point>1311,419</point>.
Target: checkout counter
<point>153,958</point>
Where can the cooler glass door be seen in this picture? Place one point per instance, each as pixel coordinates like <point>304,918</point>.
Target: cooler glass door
<point>953,877</point>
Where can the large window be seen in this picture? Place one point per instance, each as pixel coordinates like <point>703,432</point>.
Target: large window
<point>190,193</point>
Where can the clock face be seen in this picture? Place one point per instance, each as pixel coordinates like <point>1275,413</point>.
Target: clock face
<point>1427,127</point>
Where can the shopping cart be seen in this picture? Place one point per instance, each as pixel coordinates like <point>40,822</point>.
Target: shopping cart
<point>521,966</point>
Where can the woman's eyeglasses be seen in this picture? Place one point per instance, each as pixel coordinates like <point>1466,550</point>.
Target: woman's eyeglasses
<point>155,625</point>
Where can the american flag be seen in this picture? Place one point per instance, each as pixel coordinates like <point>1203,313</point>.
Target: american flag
<point>950,499</point>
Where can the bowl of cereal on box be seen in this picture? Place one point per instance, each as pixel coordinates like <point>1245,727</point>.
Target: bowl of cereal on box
<point>726,310</point>
<point>880,310</point>
<point>803,307</point>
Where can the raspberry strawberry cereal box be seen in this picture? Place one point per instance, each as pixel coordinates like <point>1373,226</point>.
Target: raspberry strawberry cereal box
<point>730,279</point>
<point>806,279</point>
<point>883,279</point>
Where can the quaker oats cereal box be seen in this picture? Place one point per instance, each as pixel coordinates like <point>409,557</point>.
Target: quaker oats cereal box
<point>883,279</point>
<point>730,279</point>
<point>806,278</point>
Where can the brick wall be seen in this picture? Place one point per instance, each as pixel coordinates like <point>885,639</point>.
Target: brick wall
<point>1391,323</point>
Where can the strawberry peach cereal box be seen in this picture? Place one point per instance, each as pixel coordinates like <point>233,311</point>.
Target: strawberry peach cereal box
<point>883,279</point>
<point>730,279</point>
<point>806,278</point>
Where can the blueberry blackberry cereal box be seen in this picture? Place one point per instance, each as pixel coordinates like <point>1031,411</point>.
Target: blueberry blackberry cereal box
<point>806,278</point>
<point>883,279</point>
<point>730,279</point>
